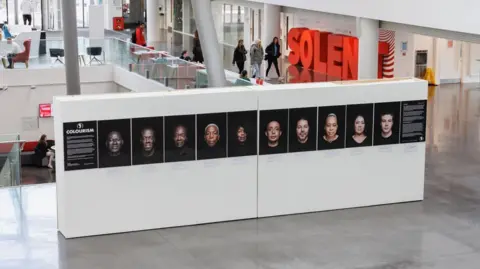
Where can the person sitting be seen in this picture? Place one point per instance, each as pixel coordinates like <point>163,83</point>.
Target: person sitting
<point>6,31</point>
<point>185,56</point>
<point>243,80</point>
<point>42,150</point>
<point>15,50</point>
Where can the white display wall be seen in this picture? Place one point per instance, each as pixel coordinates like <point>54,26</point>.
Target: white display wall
<point>298,182</point>
<point>278,175</point>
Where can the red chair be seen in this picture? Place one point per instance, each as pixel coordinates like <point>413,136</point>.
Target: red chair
<point>23,56</point>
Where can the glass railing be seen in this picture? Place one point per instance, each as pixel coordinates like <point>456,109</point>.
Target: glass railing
<point>157,65</point>
<point>10,161</point>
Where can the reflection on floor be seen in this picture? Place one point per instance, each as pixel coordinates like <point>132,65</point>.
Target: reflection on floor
<point>36,175</point>
<point>442,232</point>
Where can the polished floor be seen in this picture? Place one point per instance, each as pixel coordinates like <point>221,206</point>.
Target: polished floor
<point>442,232</point>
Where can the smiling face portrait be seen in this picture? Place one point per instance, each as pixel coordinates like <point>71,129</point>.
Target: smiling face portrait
<point>180,136</point>
<point>331,127</point>
<point>114,143</point>
<point>273,133</point>
<point>302,130</point>
<point>116,150</point>
<point>212,134</point>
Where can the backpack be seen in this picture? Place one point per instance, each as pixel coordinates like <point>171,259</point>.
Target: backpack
<point>134,37</point>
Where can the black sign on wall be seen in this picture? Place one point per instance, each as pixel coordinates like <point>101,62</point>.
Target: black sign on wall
<point>414,121</point>
<point>80,145</point>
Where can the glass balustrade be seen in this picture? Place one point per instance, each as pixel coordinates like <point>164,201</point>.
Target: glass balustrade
<point>10,161</point>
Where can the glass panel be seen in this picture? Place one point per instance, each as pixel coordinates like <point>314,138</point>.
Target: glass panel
<point>10,160</point>
<point>79,13</point>
<point>37,14</point>
<point>178,15</point>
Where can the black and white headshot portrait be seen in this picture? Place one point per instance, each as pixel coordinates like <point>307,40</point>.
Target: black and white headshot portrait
<point>387,123</point>
<point>147,140</point>
<point>211,136</point>
<point>242,133</point>
<point>114,143</point>
<point>179,138</point>
<point>303,129</point>
<point>274,132</point>
<point>331,127</point>
<point>359,125</point>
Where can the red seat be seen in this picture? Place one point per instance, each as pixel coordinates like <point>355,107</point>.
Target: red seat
<point>29,146</point>
<point>23,56</point>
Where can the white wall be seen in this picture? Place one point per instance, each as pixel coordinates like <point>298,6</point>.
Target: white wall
<point>450,62</point>
<point>20,102</point>
<point>404,64</point>
<point>425,43</point>
<point>322,21</point>
<point>457,16</point>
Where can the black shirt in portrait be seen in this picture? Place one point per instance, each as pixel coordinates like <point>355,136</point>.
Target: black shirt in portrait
<point>113,161</point>
<point>392,139</point>
<point>141,158</point>
<point>180,154</point>
<point>335,144</point>
<point>351,143</point>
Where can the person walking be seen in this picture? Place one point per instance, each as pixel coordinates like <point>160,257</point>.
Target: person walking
<point>273,53</point>
<point>197,49</point>
<point>240,56</point>
<point>256,58</point>
<point>27,8</point>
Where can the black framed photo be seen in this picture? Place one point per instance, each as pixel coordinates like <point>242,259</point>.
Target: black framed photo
<point>180,138</point>
<point>359,125</point>
<point>387,124</point>
<point>114,143</point>
<point>211,136</point>
<point>147,140</point>
<point>302,129</point>
<point>331,127</point>
<point>242,133</point>
<point>273,131</point>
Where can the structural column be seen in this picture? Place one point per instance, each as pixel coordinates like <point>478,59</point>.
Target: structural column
<point>187,28</point>
<point>367,32</point>
<point>247,40</point>
<point>153,22</point>
<point>271,21</point>
<point>70,40</point>
<point>209,41</point>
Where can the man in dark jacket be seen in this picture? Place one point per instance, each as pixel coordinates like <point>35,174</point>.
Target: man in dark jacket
<point>273,53</point>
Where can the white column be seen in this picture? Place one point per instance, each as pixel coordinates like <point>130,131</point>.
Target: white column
<point>153,22</point>
<point>271,21</point>
<point>436,59</point>
<point>256,24</point>
<point>209,43</point>
<point>367,31</point>
<point>112,9</point>
<point>217,13</point>
<point>186,12</point>
<point>246,28</point>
